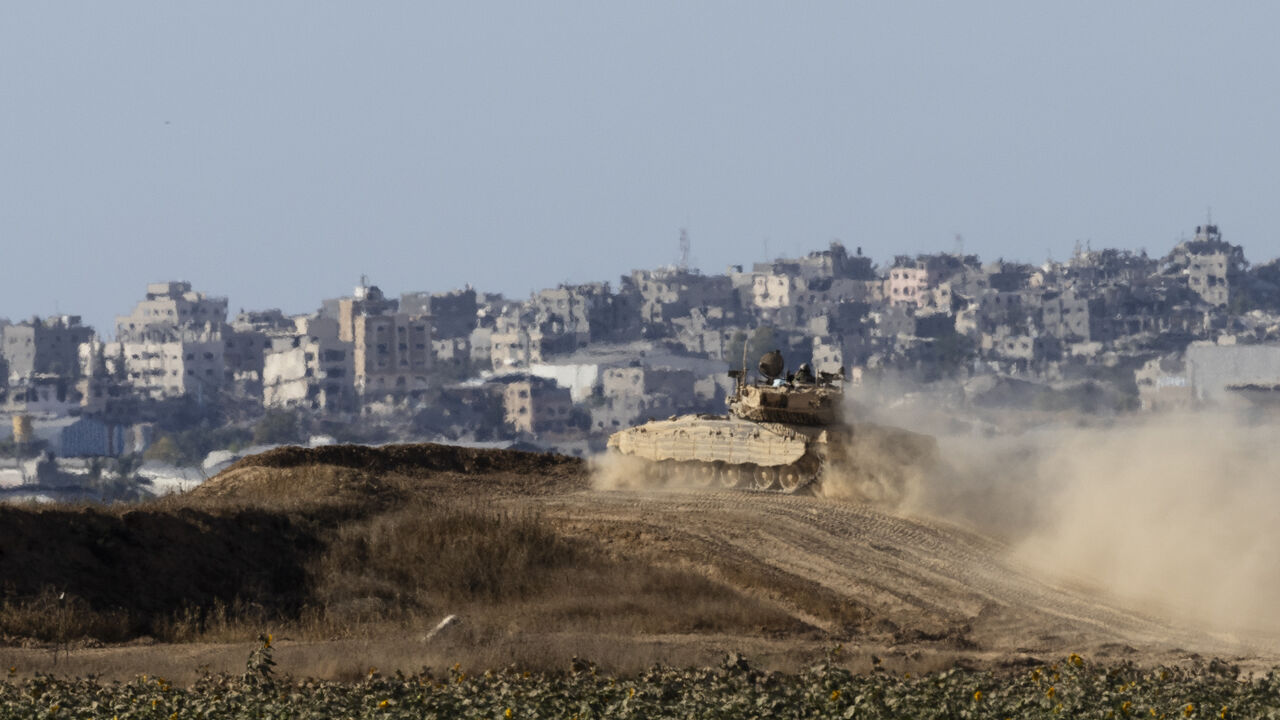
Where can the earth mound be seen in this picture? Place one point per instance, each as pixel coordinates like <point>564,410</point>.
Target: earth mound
<point>359,472</point>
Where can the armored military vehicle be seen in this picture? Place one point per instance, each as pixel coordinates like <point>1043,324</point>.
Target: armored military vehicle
<point>784,432</point>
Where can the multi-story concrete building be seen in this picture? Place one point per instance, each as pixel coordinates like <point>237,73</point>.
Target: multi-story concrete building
<point>451,356</point>
<point>44,347</point>
<point>174,343</point>
<point>579,314</point>
<point>1207,276</point>
<point>537,406</point>
<point>1208,265</point>
<point>366,300</point>
<point>1065,315</point>
<point>514,348</point>
<point>907,284</point>
<point>190,363</point>
<point>392,355</point>
<point>668,293</point>
<point>170,305</point>
<point>453,314</point>
<point>315,371</point>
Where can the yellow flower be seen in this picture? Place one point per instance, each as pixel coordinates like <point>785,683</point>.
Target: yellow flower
<point>508,713</point>
<point>270,637</point>
<point>1223,712</point>
<point>154,702</point>
<point>977,696</point>
<point>1126,706</point>
<point>632,692</point>
<point>1190,708</point>
<point>384,703</point>
<point>835,695</point>
<point>1076,660</point>
<point>1051,692</point>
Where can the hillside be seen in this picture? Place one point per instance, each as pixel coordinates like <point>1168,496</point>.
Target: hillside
<point>344,544</point>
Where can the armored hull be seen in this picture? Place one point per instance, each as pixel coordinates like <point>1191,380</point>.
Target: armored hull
<point>728,451</point>
<point>782,433</point>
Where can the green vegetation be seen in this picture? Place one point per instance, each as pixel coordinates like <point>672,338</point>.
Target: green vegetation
<point>22,451</point>
<point>189,447</point>
<point>763,339</point>
<point>1072,688</point>
<point>954,352</point>
<point>277,427</point>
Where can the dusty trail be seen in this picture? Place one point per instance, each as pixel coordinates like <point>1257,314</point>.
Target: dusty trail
<point>805,572</point>
<point>917,580</point>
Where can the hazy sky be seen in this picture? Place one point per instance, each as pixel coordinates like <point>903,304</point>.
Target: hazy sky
<point>272,152</point>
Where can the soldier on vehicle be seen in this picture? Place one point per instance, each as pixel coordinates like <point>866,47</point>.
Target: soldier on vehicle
<point>804,375</point>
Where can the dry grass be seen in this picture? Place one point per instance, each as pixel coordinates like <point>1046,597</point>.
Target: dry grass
<point>368,546</point>
<point>430,552</point>
<point>226,572</point>
<point>54,617</point>
<point>513,571</point>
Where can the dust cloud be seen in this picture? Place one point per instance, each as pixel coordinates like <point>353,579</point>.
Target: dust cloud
<point>613,471</point>
<point>1177,513</point>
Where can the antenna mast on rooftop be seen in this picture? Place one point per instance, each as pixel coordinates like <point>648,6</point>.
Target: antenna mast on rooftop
<point>684,249</point>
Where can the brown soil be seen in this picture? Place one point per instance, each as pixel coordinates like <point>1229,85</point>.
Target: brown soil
<point>627,577</point>
<point>362,471</point>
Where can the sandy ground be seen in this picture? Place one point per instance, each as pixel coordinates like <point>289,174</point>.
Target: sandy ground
<point>932,594</point>
<point>926,577</point>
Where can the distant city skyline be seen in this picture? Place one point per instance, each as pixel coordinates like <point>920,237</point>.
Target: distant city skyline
<point>106,328</point>
<point>273,154</point>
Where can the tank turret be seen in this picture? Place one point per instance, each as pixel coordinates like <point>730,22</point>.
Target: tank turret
<point>774,437</point>
<point>782,432</point>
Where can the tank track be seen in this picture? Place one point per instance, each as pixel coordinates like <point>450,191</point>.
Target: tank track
<point>796,479</point>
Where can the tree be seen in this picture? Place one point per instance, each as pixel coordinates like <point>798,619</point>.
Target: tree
<point>165,450</point>
<point>277,427</point>
<point>762,340</point>
<point>954,352</point>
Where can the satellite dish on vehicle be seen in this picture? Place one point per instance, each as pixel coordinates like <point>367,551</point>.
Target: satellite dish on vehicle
<point>771,365</point>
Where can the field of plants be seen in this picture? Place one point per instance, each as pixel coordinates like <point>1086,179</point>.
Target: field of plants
<point>1073,688</point>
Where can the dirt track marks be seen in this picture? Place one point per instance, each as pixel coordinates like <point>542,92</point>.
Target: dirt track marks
<point>926,579</point>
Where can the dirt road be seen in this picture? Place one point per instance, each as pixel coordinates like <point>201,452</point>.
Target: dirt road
<point>919,593</point>
<point>916,581</point>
